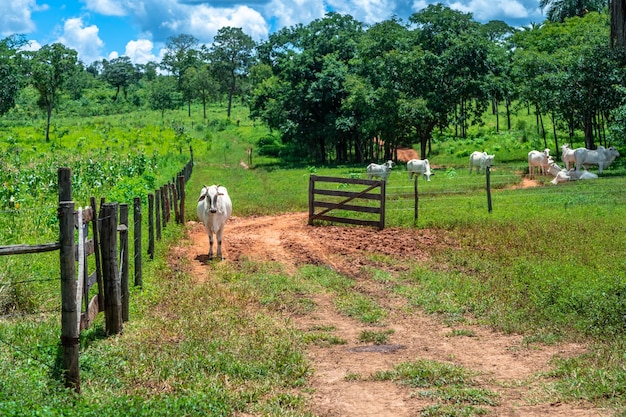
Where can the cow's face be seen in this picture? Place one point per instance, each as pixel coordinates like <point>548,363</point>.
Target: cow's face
<point>212,198</point>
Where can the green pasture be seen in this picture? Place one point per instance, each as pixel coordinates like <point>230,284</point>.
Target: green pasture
<point>548,262</point>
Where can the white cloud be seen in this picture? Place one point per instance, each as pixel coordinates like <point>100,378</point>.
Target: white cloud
<point>32,45</point>
<point>141,51</point>
<point>107,7</point>
<point>15,16</point>
<point>366,11</point>
<point>203,22</point>
<point>84,40</point>
<point>292,12</point>
<point>161,19</point>
<point>485,10</point>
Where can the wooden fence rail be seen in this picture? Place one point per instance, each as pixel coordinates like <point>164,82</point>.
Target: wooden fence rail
<point>315,203</point>
<point>111,275</point>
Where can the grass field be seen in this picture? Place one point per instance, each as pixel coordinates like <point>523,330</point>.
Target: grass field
<point>548,262</point>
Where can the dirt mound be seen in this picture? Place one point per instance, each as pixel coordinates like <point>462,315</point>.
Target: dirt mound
<point>505,364</point>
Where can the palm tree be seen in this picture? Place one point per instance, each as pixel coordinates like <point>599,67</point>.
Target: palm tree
<point>559,10</point>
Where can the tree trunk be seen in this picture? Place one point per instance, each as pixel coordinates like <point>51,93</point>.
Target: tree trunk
<point>556,139</point>
<point>618,26</point>
<point>588,129</point>
<point>497,114</point>
<point>231,93</point>
<point>49,116</point>
<point>508,114</point>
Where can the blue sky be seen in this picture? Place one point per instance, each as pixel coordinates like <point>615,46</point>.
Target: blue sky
<point>107,29</point>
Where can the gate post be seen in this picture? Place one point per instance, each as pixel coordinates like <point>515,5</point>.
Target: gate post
<point>383,197</point>
<point>70,311</point>
<point>311,198</point>
<point>488,174</point>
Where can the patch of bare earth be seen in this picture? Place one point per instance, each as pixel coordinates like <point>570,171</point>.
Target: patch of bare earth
<point>506,366</point>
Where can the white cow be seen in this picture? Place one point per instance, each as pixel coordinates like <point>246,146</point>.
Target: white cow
<point>582,175</point>
<point>554,168</point>
<point>567,156</point>
<point>480,160</point>
<point>539,160</point>
<point>561,176</point>
<point>382,171</point>
<point>214,208</point>
<point>602,157</point>
<point>419,166</point>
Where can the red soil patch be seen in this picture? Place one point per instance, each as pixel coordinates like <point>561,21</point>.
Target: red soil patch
<point>505,364</point>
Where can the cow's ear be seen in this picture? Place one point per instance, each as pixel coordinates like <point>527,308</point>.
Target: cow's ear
<point>202,197</point>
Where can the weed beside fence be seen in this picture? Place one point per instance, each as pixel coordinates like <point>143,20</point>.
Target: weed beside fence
<point>112,266</point>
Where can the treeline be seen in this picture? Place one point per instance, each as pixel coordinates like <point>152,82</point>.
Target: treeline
<point>338,90</point>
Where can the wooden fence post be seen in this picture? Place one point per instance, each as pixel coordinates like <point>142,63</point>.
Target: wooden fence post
<point>70,311</point>
<point>181,196</point>
<point>417,199</point>
<point>96,244</point>
<point>383,197</point>
<point>170,201</point>
<point>112,284</point>
<point>123,229</point>
<point>311,198</point>
<point>488,174</point>
<point>163,206</point>
<point>175,201</point>
<point>137,219</point>
<point>157,213</point>
<point>151,225</point>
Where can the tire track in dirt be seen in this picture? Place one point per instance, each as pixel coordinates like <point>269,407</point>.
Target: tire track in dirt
<point>505,365</point>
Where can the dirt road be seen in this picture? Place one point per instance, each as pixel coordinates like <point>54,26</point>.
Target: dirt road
<point>506,366</point>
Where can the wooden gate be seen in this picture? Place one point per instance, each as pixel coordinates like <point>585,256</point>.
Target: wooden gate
<point>374,192</point>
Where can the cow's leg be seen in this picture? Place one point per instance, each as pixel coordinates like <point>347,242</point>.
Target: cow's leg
<point>218,235</point>
<point>210,245</point>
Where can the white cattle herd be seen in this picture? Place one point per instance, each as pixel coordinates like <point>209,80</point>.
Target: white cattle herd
<point>575,159</point>
<point>215,207</point>
<point>538,162</point>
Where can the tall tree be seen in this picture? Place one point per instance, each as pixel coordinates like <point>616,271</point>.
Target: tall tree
<point>200,82</point>
<point>559,10</point>
<point>162,94</point>
<point>304,97</point>
<point>180,54</point>
<point>232,55</point>
<point>10,71</point>
<point>50,69</point>
<point>120,73</point>
<point>446,70</point>
<point>373,105</point>
<point>570,70</point>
